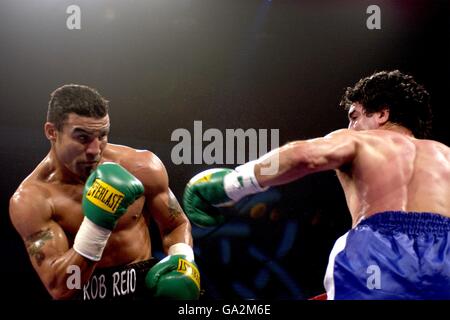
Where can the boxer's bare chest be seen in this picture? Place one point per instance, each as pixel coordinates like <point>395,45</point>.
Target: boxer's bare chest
<point>68,213</point>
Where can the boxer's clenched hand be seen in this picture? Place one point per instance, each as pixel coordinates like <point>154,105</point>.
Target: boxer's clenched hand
<point>176,277</point>
<point>215,188</point>
<point>108,192</point>
<point>203,192</point>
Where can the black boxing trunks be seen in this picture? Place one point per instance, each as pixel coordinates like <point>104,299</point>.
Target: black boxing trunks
<point>118,283</point>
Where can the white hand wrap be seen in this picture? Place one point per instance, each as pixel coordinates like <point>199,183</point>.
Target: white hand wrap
<point>90,240</point>
<point>242,182</point>
<point>183,249</point>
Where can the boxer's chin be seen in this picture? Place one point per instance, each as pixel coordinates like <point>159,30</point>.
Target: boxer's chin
<point>84,169</point>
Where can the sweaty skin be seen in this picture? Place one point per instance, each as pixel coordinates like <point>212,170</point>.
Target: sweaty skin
<point>380,167</point>
<point>46,208</point>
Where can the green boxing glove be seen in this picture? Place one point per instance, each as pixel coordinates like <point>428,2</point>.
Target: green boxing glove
<point>176,277</point>
<point>108,192</point>
<point>203,194</point>
<point>218,188</point>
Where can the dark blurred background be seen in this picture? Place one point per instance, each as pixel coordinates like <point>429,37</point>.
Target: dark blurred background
<point>231,64</point>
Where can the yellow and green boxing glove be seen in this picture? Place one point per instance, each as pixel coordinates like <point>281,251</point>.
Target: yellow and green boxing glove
<point>108,192</point>
<point>214,188</point>
<point>176,277</point>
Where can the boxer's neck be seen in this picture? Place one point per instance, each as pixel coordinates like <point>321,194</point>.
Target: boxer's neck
<point>59,172</point>
<point>397,128</point>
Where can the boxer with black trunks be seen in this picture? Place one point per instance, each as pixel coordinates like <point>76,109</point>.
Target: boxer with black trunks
<point>83,212</point>
<point>396,184</point>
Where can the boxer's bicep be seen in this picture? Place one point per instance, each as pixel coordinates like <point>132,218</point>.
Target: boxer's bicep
<point>45,246</point>
<point>297,159</point>
<point>161,204</point>
<point>174,208</point>
<point>170,218</point>
<point>319,154</point>
<point>166,211</point>
<point>44,239</point>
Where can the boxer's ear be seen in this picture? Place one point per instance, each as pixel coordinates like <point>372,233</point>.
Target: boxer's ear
<point>50,131</point>
<point>383,116</point>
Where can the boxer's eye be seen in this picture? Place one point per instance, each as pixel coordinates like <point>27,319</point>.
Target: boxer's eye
<point>83,138</point>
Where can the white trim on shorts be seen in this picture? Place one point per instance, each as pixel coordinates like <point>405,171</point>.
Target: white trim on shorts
<point>328,281</point>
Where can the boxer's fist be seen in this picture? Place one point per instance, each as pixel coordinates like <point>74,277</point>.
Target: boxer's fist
<point>203,194</point>
<point>176,277</point>
<point>215,188</point>
<point>108,192</point>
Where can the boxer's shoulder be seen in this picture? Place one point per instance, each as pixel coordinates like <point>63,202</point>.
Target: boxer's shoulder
<point>369,136</point>
<point>132,159</point>
<point>385,136</point>
<point>432,147</point>
<point>32,188</point>
<point>345,135</point>
<point>143,164</point>
<point>376,139</point>
<point>30,204</point>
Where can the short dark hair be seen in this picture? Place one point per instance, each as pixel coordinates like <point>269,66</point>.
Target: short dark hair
<point>73,98</point>
<point>408,102</point>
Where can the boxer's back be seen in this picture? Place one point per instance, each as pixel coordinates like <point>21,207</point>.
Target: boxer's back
<point>393,171</point>
<point>430,184</point>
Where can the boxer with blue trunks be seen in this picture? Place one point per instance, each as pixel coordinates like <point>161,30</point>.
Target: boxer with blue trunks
<point>392,255</point>
<point>396,184</point>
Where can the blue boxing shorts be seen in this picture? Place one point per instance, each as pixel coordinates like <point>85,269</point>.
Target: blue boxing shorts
<point>392,255</point>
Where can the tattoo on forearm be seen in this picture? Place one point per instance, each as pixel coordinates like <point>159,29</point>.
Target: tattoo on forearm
<point>174,207</point>
<point>35,242</point>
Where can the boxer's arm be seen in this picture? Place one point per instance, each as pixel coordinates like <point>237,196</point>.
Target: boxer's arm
<point>299,158</point>
<point>46,242</point>
<point>176,276</point>
<point>221,187</point>
<point>172,222</point>
<point>163,206</point>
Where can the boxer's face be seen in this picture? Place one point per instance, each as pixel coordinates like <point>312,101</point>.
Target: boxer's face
<point>80,144</point>
<point>360,120</point>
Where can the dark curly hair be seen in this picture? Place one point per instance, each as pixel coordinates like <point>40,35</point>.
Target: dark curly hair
<point>73,98</point>
<point>408,102</point>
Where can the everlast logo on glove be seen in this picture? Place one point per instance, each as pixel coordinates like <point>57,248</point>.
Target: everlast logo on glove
<point>104,196</point>
<point>203,179</point>
<point>190,270</point>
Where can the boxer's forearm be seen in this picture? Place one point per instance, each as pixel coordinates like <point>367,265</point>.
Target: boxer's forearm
<point>66,274</point>
<point>180,234</point>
